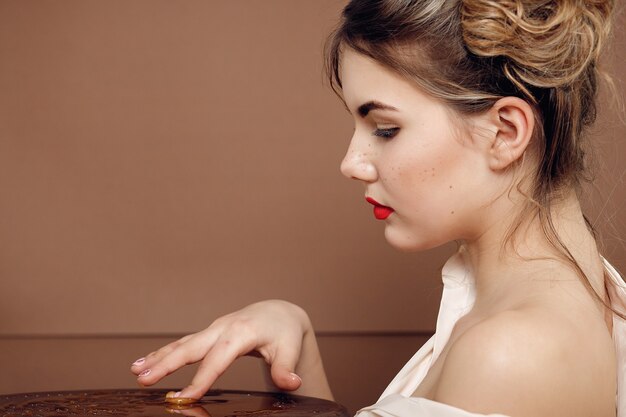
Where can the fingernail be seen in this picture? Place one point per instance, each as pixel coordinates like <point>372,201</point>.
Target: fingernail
<point>139,361</point>
<point>295,377</point>
<point>145,373</point>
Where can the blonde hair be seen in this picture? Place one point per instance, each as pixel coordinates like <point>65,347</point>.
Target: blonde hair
<point>470,53</point>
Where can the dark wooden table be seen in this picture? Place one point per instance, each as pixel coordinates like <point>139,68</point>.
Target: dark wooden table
<point>151,402</point>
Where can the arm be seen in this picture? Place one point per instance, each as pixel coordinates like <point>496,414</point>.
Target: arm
<point>278,331</point>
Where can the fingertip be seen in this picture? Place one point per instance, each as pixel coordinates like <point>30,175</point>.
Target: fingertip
<point>142,383</point>
<point>145,373</point>
<point>288,381</point>
<point>139,362</point>
<point>139,366</point>
<point>172,394</point>
<point>192,391</point>
<point>149,377</point>
<point>295,380</point>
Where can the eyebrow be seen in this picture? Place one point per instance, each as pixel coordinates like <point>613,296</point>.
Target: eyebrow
<point>365,108</point>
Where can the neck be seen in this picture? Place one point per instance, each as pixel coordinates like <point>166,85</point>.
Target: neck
<point>510,273</point>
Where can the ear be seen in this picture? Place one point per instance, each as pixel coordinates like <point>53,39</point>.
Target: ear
<point>513,121</point>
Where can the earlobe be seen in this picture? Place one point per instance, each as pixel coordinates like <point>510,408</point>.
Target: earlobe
<point>514,123</point>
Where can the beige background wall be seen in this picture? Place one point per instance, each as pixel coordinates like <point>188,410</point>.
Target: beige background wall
<point>165,162</point>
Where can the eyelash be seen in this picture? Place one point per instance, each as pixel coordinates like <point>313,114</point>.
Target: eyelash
<point>386,133</point>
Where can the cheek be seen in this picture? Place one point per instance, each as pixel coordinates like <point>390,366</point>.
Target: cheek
<point>417,175</point>
<point>429,188</point>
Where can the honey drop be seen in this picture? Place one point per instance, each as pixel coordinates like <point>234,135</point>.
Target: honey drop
<point>169,397</point>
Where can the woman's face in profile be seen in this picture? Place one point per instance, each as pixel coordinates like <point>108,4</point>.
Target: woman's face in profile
<point>412,156</point>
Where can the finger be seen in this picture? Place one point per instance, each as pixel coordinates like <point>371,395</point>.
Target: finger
<point>283,368</point>
<point>149,360</point>
<point>137,366</point>
<point>146,362</point>
<point>212,367</point>
<point>192,351</point>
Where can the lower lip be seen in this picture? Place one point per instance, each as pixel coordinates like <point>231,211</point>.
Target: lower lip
<point>381,213</point>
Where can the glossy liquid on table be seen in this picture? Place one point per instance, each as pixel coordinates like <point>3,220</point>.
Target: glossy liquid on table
<point>152,403</point>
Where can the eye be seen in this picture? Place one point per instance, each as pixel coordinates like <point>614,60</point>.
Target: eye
<point>386,133</point>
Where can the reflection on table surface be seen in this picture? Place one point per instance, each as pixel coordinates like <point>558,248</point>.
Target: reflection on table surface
<point>144,403</point>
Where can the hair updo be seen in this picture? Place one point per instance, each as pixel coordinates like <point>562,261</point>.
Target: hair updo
<point>470,53</point>
<point>549,50</point>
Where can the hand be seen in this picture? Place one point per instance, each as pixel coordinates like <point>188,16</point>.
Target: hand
<point>273,329</point>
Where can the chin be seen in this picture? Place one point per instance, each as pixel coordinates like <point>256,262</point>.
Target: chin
<point>406,242</point>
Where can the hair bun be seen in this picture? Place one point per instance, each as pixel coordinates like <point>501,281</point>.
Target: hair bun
<point>547,43</point>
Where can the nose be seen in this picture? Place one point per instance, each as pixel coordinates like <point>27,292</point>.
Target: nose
<point>358,162</point>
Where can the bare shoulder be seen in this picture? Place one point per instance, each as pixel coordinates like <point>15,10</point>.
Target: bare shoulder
<point>528,362</point>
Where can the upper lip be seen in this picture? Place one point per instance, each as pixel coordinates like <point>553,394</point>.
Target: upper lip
<point>376,203</point>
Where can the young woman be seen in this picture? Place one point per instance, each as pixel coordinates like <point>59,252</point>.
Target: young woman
<point>470,126</point>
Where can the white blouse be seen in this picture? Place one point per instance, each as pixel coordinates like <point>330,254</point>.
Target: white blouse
<point>458,297</point>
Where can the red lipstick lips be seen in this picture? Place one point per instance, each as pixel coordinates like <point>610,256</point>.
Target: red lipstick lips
<point>380,212</point>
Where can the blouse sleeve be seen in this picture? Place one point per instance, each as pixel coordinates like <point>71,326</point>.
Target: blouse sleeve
<point>396,405</point>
